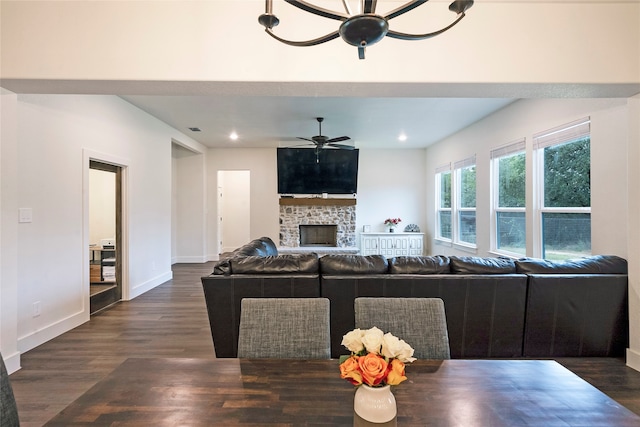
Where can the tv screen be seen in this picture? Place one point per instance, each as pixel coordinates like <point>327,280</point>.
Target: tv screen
<point>332,171</point>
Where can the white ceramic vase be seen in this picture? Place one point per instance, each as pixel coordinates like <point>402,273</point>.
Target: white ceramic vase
<point>375,404</point>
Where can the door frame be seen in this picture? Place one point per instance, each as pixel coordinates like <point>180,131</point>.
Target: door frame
<point>122,231</point>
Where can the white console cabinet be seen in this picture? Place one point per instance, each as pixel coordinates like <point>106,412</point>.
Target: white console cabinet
<point>392,244</point>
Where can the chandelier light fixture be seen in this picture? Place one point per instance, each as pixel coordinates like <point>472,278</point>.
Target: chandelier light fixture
<point>360,29</point>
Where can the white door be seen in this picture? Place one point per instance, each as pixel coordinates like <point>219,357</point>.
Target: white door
<point>233,209</point>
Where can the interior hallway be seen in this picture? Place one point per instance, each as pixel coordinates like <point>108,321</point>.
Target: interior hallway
<point>171,321</point>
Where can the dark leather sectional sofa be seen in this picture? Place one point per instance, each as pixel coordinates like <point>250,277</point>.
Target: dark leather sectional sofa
<point>495,307</point>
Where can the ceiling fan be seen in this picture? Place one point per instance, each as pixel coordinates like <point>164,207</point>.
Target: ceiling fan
<point>320,141</point>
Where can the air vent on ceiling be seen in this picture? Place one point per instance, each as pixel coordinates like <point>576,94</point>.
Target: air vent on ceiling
<point>194,129</point>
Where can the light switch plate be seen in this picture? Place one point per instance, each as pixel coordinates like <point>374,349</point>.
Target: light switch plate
<point>25,215</point>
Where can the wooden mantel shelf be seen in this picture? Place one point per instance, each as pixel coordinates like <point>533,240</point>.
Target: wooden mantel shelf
<point>315,201</point>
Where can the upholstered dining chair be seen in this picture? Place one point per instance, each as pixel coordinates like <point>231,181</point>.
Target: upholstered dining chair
<point>285,328</point>
<point>420,322</point>
<point>8,408</point>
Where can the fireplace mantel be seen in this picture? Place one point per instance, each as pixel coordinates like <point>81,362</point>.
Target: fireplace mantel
<point>315,201</point>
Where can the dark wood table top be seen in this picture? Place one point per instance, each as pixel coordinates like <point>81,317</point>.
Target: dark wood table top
<point>200,392</point>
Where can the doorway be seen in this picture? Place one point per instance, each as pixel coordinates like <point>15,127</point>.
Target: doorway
<point>105,235</point>
<point>233,209</point>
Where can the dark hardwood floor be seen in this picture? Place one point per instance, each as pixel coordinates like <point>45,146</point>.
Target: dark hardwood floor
<point>171,321</point>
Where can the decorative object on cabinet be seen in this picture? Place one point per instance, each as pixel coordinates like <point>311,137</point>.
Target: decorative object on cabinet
<point>392,223</point>
<point>412,228</point>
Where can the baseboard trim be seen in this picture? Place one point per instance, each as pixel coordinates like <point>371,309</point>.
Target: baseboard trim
<point>190,259</point>
<point>12,362</point>
<point>633,359</point>
<point>150,284</point>
<point>51,331</point>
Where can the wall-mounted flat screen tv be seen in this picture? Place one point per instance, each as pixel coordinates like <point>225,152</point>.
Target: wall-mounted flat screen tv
<point>329,170</point>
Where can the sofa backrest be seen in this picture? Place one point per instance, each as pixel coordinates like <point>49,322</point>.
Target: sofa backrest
<point>596,264</point>
<point>353,264</point>
<point>279,264</point>
<point>438,264</point>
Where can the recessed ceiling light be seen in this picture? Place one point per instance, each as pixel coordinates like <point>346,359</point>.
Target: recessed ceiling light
<point>233,136</point>
<point>402,137</point>
<point>194,129</point>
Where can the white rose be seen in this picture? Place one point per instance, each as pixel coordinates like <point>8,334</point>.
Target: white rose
<point>391,346</point>
<point>406,352</point>
<point>353,341</point>
<point>372,340</point>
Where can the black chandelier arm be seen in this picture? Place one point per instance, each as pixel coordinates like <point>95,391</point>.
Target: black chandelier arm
<point>404,8</point>
<point>325,13</point>
<point>404,36</point>
<point>369,6</point>
<point>313,42</point>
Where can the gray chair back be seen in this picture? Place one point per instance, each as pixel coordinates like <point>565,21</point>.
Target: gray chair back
<point>284,328</point>
<point>420,322</point>
<point>8,408</point>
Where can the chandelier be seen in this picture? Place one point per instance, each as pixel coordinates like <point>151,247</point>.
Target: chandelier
<point>361,29</point>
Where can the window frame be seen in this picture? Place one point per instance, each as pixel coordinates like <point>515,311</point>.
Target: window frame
<point>563,134</point>
<point>457,203</point>
<point>517,147</point>
<point>438,181</point>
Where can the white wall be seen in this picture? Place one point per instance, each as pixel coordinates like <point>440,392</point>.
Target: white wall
<point>633,236</point>
<point>390,183</point>
<point>188,205</point>
<point>522,119</point>
<point>9,230</point>
<point>263,215</point>
<point>53,133</point>
<point>502,42</point>
<point>102,205</point>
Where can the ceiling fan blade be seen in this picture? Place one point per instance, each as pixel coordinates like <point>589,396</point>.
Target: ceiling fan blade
<point>339,139</point>
<point>306,139</point>
<point>342,146</point>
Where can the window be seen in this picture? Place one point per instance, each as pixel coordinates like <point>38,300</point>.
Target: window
<point>564,185</point>
<point>443,203</point>
<point>509,180</point>
<point>465,207</point>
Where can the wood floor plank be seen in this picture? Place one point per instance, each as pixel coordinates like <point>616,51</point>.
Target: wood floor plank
<point>171,321</point>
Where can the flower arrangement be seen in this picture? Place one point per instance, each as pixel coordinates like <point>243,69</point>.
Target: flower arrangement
<point>392,222</point>
<point>376,359</point>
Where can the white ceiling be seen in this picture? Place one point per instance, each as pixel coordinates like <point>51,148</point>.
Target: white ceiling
<point>272,121</point>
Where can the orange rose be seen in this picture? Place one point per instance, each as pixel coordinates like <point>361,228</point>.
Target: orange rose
<point>350,371</point>
<point>373,368</point>
<point>396,372</point>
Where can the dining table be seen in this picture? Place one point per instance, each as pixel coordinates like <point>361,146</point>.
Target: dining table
<point>292,392</point>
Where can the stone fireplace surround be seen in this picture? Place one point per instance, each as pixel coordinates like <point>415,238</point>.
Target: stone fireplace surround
<point>317,211</point>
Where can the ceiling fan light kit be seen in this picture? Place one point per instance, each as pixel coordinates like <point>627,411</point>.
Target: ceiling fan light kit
<point>361,29</point>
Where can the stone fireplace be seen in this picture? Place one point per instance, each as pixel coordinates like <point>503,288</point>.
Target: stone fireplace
<point>317,222</point>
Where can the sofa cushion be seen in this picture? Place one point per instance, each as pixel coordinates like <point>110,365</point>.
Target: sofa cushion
<point>262,246</point>
<point>478,265</point>
<point>438,264</point>
<point>280,264</point>
<point>596,264</point>
<point>353,264</point>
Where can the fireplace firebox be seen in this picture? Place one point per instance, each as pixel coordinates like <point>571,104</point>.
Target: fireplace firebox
<point>318,235</point>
